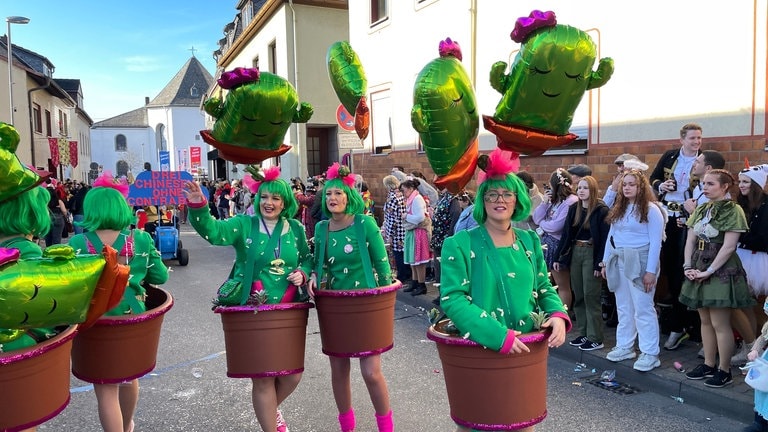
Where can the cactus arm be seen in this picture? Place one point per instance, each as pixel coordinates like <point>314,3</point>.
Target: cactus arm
<point>498,78</point>
<point>603,73</point>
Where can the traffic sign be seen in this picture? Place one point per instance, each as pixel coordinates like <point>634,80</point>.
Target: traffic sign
<point>345,120</point>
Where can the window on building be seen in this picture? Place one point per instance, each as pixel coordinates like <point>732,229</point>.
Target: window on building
<point>255,62</point>
<point>194,92</point>
<point>37,118</point>
<point>63,124</point>
<point>273,57</point>
<point>121,144</point>
<point>48,123</point>
<point>381,121</point>
<point>122,168</point>
<point>379,11</point>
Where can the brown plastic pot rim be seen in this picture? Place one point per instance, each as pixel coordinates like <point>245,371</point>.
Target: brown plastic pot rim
<point>138,318</point>
<point>264,307</point>
<point>446,339</point>
<point>365,292</point>
<point>360,353</point>
<point>112,380</point>
<point>39,349</point>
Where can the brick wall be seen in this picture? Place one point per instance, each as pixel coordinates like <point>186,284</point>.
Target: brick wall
<point>600,158</point>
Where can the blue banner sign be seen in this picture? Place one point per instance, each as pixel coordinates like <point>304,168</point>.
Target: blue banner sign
<point>160,188</point>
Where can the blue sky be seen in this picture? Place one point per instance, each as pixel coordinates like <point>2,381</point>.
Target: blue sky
<point>120,51</point>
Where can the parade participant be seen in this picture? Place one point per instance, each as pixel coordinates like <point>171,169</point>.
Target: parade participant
<point>23,218</point>
<point>581,250</point>
<point>631,265</point>
<point>715,279</point>
<point>494,276</point>
<point>336,241</point>
<point>289,264</point>
<point>753,244</point>
<point>107,218</point>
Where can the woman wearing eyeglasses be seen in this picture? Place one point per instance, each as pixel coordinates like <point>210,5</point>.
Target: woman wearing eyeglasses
<point>494,276</point>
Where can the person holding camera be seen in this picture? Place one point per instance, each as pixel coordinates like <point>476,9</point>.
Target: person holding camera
<point>671,179</point>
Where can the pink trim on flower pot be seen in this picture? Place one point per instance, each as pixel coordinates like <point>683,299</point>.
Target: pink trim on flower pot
<point>35,382</point>
<point>491,391</point>
<point>264,341</point>
<point>121,348</point>
<point>357,323</point>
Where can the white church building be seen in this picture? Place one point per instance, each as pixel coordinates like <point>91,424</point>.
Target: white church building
<point>164,133</point>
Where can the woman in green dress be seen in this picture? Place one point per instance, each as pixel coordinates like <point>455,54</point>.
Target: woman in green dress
<point>494,275</point>
<point>715,281</point>
<point>278,282</point>
<point>107,218</point>
<point>336,240</point>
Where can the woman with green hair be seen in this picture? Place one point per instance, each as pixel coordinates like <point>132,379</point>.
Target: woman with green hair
<point>107,218</point>
<point>277,280</point>
<point>338,255</point>
<point>23,219</point>
<point>494,275</point>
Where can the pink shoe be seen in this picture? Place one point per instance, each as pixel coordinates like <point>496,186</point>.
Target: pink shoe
<point>281,426</point>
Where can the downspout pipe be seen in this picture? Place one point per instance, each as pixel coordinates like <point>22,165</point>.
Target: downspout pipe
<point>296,85</point>
<point>31,120</point>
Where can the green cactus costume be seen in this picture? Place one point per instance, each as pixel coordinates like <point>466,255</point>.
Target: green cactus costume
<point>251,123</point>
<point>39,289</point>
<point>545,84</point>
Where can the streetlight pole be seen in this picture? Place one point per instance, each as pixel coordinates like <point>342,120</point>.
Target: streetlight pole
<point>12,20</point>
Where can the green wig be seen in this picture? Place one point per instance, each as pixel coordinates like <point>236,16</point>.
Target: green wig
<point>510,182</point>
<point>282,188</point>
<point>355,204</point>
<point>106,208</point>
<point>26,214</point>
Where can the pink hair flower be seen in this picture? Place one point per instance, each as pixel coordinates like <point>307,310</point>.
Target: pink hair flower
<point>341,172</point>
<point>269,174</point>
<point>107,180</point>
<point>498,164</point>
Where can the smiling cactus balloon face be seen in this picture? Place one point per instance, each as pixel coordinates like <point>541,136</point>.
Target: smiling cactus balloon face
<point>251,123</point>
<point>545,85</point>
<point>445,115</point>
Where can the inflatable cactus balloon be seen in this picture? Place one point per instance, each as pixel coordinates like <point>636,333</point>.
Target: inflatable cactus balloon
<point>445,115</point>
<point>350,84</point>
<point>545,84</point>
<point>252,120</point>
<point>15,178</point>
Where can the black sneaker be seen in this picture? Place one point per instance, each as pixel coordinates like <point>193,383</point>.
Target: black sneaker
<point>720,379</point>
<point>700,372</point>
<point>591,346</point>
<point>579,341</point>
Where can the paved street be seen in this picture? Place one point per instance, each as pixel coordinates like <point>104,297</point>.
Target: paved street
<point>189,390</point>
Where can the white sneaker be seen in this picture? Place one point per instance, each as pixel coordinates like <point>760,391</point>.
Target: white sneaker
<point>675,339</point>
<point>646,362</point>
<point>618,354</point>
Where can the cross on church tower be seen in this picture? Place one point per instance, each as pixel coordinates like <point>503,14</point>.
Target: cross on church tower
<point>193,50</point>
